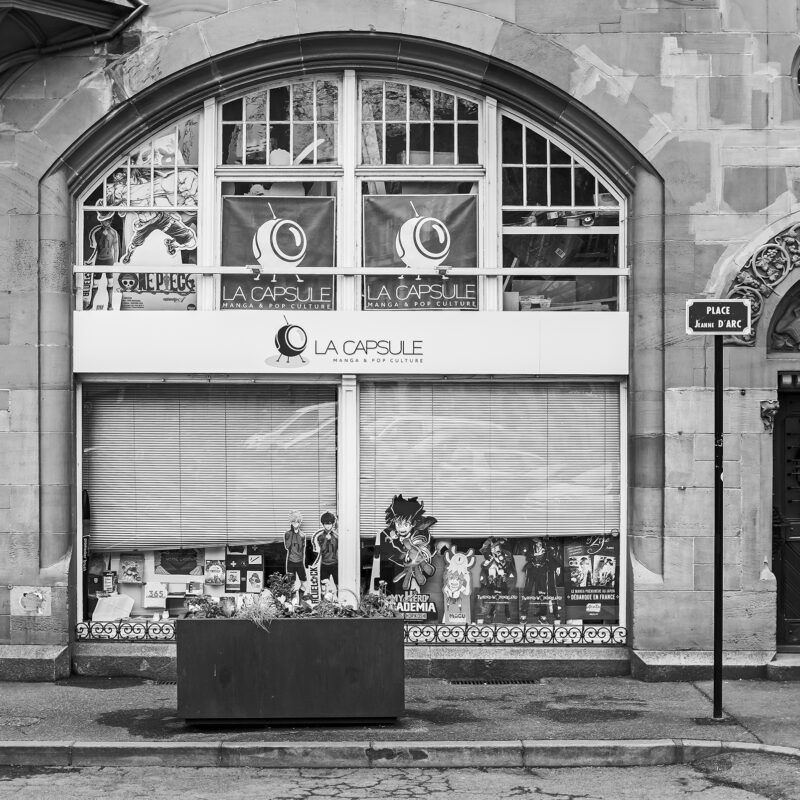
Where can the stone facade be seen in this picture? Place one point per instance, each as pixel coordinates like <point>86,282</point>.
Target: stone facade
<point>703,90</point>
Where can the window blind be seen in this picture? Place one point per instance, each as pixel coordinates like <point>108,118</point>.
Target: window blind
<point>193,466</point>
<point>493,459</point>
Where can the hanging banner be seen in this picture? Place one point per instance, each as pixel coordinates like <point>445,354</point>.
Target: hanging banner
<point>414,233</point>
<point>278,232</point>
<point>592,578</point>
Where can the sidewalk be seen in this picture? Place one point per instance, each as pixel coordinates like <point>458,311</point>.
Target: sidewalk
<point>554,722</point>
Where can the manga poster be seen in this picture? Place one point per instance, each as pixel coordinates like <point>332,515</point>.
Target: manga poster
<point>144,214</point>
<point>418,234</point>
<point>592,578</point>
<point>276,233</point>
<point>244,569</point>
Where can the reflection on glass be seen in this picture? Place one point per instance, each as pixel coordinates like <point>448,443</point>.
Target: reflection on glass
<point>607,217</point>
<point>560,293</point>
<point>560,250</point>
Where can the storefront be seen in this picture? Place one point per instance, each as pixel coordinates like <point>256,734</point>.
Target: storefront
<point>404,366</point>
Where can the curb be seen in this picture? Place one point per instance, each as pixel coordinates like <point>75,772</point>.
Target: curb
<point>376,754</point>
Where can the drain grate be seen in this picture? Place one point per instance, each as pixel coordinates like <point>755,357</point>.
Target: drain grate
<point>165,683</point>
<point>482,682</point>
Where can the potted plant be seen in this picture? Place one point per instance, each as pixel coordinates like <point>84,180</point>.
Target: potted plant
<point>282,658</point>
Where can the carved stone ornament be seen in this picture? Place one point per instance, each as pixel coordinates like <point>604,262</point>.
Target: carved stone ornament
<point>765,269</point>
<point>769,408</point>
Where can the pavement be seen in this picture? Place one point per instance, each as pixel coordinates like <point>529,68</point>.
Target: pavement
<point>552,722</point>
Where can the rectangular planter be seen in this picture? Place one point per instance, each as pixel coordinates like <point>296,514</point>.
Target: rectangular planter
<point>310,670</point>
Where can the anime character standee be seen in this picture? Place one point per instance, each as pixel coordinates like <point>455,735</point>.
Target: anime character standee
<point>404,544</point>
<point>294,540</point>
<point>457,586</point>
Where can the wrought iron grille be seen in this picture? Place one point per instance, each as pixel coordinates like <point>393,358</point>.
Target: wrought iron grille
<point>524,635</point>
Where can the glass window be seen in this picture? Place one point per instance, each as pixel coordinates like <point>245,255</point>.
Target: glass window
<point>191,488</point>
<point>144,214</point>
<point>522,477</point>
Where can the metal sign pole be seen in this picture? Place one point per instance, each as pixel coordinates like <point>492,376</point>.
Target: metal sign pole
<point>718,498</point>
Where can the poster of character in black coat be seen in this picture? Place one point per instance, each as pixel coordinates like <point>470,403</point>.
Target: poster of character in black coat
<point>497,596</point>
<point>402,558</point>
<point>543,592</point>
<point>592,579</point>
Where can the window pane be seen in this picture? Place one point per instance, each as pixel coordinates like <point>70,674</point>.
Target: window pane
<point>512,186</point>
<point>557,155</point>
<point>560,187</point>
<point>443,106</point>
<point>467,110</point>
<point>326,150</point>
<point>420,107</point>
<point>537,186</point>
<point>467,144</point>
<point>256,144</point>
<point>372,143</point>
<point>395,143</point>
<point>303,144</point>
<point>560,293</point>
<point>303,101</point>
<point>549,219</point>
<point>420,144</point>
<point>396,102</point>
<point>231,144</point>
<point>512,142</point>
<point>443,143</point>
<point>256,106</point>
<point>584,187</point>
<point>371,100</point>
<point>232,111</point>
<point>578,251</point>
<point>279,145</point>
<point>188,142</point>
<point>279,103</point>
<point>535,148</point>
<point>327,100</point>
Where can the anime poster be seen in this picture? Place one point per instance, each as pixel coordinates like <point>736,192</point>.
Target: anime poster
<point>497,596</point>
<point>592,579</point>
<point>178,562</point>
<point>416,234</point>
<point>244,569</point>
<point>457,586</point>
<point>542,596</point>
<point>402,559</point>
<point>215,572</point>
<point>278,233</point>
<point>131,568</point>
<point>147,218</point>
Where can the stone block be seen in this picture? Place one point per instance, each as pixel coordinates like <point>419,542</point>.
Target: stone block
<point>731,474</point>
<point>686,168</point>
<point>19,457</point>
<point>567,16</point>
<point>56,459</point>
<point>782,17</point>
<point>679,562</point>
<point>39,630</point>
<point>25,509</point>
<point>727,100</point>
<point>24,319</point>
<point>313,16</point>
<point>5,496</point>
<point>56,367</point>
<point>243,26</point>
<point>5,330</point>
<point>5,601</point>
<point>171,16</point>
<point>751,189</point>
<point>33,663</point>
<point>55,266</point>
<point>24,408</point>
<point>671,665</point>
<point>731,550</point>
<point>663,20</point>
<point>5,629</point>
<point>18,366</point>
<point>465,28</point>
<point>599,753</point>
<point>36,754</point>
<point>55,549</point>
<point>18,270</point>
<point>445,754</point>
<point>152,661</point>
<point>56,508</point>
<point>157,754</point>
<point>744,15</point>
<point>679,459</point>
<point>731,576</point>
<point>671,620</point>
<point>705,20</point>
<point>56,413</point>
<point>521,48</point>
<point>688,411</point>
<point>330,755</point>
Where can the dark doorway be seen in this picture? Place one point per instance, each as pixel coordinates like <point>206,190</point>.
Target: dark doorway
<point>786,519</point>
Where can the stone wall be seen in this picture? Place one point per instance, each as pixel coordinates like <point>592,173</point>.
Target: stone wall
<point>701,88</point>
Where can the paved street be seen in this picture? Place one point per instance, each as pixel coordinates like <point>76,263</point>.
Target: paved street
<point>745,777</point>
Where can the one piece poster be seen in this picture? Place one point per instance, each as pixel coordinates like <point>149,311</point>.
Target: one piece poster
<point>592,580</point>
<point>278,233</point>
<point>414,235</point>
<point>244,569</point>
<point>215,572</point>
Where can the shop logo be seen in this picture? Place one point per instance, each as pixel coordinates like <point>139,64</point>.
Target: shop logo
<point>290,342</point>
<point>422,242</point>
<point>279,243</point>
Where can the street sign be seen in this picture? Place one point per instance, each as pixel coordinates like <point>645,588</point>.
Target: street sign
<point>718,317</point>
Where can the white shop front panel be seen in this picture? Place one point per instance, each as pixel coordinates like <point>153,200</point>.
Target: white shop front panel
<point>357,342</point>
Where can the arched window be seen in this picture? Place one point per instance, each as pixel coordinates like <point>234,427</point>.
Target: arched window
<point>352,191</point>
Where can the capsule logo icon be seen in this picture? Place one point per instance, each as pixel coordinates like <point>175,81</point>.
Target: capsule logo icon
<point>290,342</point>
<point>422,243</point>
<point>279,243</point>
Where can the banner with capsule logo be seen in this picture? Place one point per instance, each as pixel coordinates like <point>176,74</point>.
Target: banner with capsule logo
<point>278,233</point>
<point>415,235</point>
